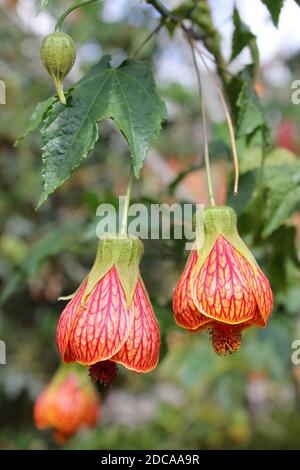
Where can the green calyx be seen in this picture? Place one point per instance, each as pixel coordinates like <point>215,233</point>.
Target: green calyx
<point>58,55</point>
<point>122,252</point>
<point>222,221</point>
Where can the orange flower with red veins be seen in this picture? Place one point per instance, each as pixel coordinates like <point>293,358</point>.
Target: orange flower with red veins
<point>67,403</point>
<point>222,288</point>
<point>110,319</point>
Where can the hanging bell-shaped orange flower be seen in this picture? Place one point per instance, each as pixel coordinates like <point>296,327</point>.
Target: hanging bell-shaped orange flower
<point>67,403</point>
<point>110,319</point>
<point>222,288</point>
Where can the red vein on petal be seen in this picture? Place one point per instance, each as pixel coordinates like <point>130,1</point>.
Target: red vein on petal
<point>221,290</point>
<point>104,323</point>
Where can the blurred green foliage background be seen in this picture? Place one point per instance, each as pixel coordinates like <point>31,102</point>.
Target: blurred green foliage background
<point>193,399</point>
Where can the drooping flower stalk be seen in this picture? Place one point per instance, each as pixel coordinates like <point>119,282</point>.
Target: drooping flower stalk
<point>70,10</point>
<point>205,136</point>
<point>123,228</point>
<point>196,48</point>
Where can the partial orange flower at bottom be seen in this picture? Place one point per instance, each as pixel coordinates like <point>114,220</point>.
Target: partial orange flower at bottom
<point>222,288</point>
<point>68,403</point>
<point>110,319</point>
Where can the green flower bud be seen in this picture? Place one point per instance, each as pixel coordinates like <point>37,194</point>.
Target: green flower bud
<point>58,54</point>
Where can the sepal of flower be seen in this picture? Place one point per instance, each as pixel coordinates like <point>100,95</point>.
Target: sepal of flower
<point>222,287</point>
<point>67,403</point>
<point>110,320</point>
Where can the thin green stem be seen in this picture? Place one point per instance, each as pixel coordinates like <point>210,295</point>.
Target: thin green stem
<point>124,223</point>
<point>59,89</point>
<point>227,116</point>
<point>200,15</point>
<point>67,12</point>
<point>148,38</point>
<point>205,135</point>
<point>165,13</point>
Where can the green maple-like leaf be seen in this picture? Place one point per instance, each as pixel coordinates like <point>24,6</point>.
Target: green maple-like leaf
<point>251,115</point>
<point>37,117</point>
<point>49,245</point>
<point>126,94</point>
<point>274,7</point>
<point>282,183</point>
<point>242,37</point>
<point>283,211</point>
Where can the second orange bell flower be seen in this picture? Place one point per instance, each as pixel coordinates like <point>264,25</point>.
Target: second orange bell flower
<point>222,287</point>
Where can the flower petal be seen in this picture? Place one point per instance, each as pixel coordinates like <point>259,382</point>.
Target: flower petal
<point>66,322</point>
<point>256,320</point>
<point>40,411</point>
<point>201,328</point>
<point>141,350</point>
<point>261,290</point>
<point>221,289</point>
<point>185,312</point>
<point>103,324</point>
